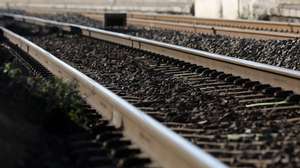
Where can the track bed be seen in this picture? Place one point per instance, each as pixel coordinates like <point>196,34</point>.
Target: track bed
<point>243,123</point>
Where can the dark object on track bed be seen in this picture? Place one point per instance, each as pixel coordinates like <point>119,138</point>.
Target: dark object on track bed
<point>241,122</point>
<point>115,20</point>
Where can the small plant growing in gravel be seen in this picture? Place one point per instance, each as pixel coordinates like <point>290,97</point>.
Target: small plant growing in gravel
<point>11,71</point>
<point>53,97</point>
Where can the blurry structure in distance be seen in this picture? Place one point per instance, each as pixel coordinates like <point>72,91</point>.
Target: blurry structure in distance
<point>279,10</point>
<point>157,6</point>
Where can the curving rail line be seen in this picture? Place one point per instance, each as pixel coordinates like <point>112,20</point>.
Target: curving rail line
<point>164,146</point>
<point>149,137</point>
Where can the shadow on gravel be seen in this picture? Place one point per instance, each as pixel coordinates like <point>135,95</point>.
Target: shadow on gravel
<point>33,127</point>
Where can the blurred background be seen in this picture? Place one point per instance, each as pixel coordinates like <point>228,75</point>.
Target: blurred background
<point>278,10</point>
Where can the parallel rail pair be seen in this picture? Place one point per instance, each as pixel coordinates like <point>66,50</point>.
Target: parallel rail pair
<point>266,74</point>
<point>150,135</point>
<point>163,145</point>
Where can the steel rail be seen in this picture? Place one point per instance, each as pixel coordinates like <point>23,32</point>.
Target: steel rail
<point>266,74</point>
<point>201,28</point>
<point>163,145</point>
<point>232,32</point>
<point>238,23</point>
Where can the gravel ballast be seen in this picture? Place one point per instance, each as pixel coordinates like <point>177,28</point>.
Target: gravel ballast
<point>219,117</point>
<point>283,53</point>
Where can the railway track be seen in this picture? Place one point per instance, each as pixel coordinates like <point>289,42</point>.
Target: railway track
<point>92,145</point>
<point>232,28</point>
<point>164,146</point>
<point>246,123</point>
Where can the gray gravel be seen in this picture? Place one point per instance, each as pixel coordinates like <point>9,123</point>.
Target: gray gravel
<point>283,53</point>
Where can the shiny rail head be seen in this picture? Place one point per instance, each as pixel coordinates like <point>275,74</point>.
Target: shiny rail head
<point>174,149</point>
<point>199,53</point>
<point>239,23</point>
<point>267,74</point>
